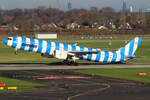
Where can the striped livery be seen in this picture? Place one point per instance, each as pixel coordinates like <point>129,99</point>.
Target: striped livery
<point>48,48</point>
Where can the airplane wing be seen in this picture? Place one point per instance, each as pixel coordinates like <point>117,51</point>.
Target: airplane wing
<point>79,53</point>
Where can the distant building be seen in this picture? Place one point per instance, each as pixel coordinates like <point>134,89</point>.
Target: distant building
<point>102,28</point>
<point>4,25</point>
<point>1,10</point>
<point>124,7</point>
<point>131,9</point>
<point>16,28</point>
<point>147,10</point>
<point>46,35</point>
<point>73,25</point>
<point>57,4</point>
<point>69,5</point>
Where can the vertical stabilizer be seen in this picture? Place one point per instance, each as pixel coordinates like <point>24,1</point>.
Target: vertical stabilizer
<point>131,47</point>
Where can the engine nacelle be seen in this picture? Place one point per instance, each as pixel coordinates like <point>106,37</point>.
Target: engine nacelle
<point>60,54</point>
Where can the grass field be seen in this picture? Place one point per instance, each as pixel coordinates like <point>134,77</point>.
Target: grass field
<point>7,54</point>
<point>121,73</point>
<point>21,85</point>
<point>121,37</point>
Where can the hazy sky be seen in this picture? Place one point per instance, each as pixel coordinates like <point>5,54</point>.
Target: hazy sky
<point>117,4</point>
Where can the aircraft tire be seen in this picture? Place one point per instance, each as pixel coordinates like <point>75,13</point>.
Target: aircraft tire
<point>69,63</point>
<point>16,52</point>
<point>74,63</point>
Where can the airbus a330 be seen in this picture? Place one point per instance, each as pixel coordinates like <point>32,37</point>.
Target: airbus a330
<point>71,53</point>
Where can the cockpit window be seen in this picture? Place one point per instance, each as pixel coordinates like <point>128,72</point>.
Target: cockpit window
<point>9,38</point>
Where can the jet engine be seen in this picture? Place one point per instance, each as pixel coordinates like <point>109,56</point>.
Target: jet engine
<point>60,54</point>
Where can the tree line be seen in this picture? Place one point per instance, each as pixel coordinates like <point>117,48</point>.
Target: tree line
<point>26,19</point>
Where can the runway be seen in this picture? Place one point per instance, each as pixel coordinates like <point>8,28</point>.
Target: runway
<point>55,67</point>
<point>94,88</point>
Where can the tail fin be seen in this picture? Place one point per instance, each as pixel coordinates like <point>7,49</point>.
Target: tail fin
<point>131,47</point>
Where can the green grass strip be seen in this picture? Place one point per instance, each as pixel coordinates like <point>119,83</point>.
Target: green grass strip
<point>20,84</point>
<point>122,73</point>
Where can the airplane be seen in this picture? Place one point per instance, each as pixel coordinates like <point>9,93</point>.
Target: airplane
<point>71,53</point>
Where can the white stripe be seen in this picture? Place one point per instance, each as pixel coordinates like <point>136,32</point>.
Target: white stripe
<point>36,44</point>
<point>10,42</point>
<point>127,49</point>
<point>61,46</point>
<point>52,48</point>
<point>19,43</point>
<point>118,56</point>
<point>93,57</point>
<point>27,42</point>
<point>110,57</point>
<point>94,50</point>
<point>102,56</point>
<point>77,48</point>
<point>135,44</point>
<point>85,57</point>
<point>44,46</point>
<point>85,49</point>
<point>69,48</point>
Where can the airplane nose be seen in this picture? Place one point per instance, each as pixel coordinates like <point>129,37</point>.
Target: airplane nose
<point>5,41</point>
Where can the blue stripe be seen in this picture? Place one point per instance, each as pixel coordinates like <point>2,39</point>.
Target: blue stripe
<point>48,50</point>
<point>73,48</point>
<point>31,46</point>
<point>15,41</point>
<point>57,46</point>
<point>90,49</point>
<point>65,47</point>
<point>131,48</point>
<point>98,56</point>
<point>139,41</point>
<point>81,48</point>
<point>122,53</point>
<point>89,57</point>
<point>23,43</point>
<point>106,56</point>
<point>40,46</point>
<point>5,41</point>
<point>114,57</point>
<point>81,57</point>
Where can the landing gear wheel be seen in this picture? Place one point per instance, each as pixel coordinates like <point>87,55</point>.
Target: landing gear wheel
<point>73,63</point>
<point>69,63</point>
<point>16,52</point>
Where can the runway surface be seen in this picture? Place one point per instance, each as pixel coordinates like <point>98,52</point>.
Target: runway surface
<point>61,66</point>
<point>94,88</point>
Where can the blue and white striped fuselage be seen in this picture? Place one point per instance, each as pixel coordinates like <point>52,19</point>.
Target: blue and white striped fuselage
<point>48,48</point>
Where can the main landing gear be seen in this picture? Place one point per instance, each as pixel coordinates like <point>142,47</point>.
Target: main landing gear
<point>16,51</point>
<point>70,62</point>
